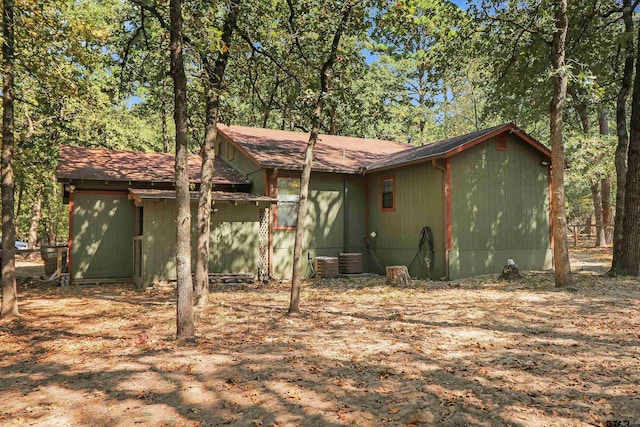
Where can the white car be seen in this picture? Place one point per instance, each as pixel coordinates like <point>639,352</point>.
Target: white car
<point>19,244</point>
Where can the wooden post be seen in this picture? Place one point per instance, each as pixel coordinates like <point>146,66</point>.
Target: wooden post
<point>398,275</point>
<point>575,236</point>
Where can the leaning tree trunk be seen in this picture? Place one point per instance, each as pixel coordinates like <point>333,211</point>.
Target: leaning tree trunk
<point>214,86</point>
<point>36,214</point>
<point>9,290</point>
<point>294,303</point>
<point>325,79</point>
<point>184,315</point>
<point>562,266</point>
<point>630,261</point>
<point>623,137</point>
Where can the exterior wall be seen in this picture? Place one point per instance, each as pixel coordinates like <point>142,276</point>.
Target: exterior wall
<point>334,223</point>
<point>102,229</point>
<point>419,199</point>
<point>244,165</point>
<point>234,239</point>
<point>356,216</point>
<point>499,210</point>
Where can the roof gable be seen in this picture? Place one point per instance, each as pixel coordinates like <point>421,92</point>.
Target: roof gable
<point>99,164</point>
<point>270,148</point>
<point>449,147</point>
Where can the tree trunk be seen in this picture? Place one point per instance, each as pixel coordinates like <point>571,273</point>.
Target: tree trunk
<point>588,226</point>
<point>294,303</point>
<point>398,275</point>
<point>184,315</point>
<point>325,78</point>
<point>605,183</point>
<point>630,251</point>
<point>583,113</point>
<point>163,114</point>
<point>36,213</point>
<point>563,275</point>
<point>623,137</point>
<point>9,289</point>
<point>214,86</point>
<point>597,208</point>
<point>20,194</point>
<point>605,192</point>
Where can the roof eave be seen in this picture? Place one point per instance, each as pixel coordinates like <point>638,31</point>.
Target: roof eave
<point>349,171</point>
<point>407,163</point>
<point>508,127</point>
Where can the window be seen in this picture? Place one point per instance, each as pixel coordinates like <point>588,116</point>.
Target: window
<point>388,194</point>
<point>288,198</point>
<point>501,142</point>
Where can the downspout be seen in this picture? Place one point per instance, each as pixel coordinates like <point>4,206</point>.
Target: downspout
<point>345,217</point>
<point>70,240</point>
<point>446,209</point>
<point>366,202</point>
<point>366,214</point>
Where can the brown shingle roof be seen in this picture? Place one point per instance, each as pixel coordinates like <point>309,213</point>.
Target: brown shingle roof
<point>115,165</point>
<point>284,149</point>
<point>448,147</point>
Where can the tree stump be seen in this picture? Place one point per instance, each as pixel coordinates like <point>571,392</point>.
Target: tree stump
<point>398,275</point>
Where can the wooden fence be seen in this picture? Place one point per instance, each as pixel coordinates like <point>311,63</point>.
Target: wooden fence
<point>585,232</point>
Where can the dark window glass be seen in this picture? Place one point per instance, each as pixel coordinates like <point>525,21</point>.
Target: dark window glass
<point>387,193</point>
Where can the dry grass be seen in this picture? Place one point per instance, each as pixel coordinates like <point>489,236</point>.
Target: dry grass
<point>476,352</point>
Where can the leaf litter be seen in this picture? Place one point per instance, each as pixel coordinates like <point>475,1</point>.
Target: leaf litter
<point>477,351</point>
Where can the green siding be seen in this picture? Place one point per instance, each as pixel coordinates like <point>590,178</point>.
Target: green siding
<point>159,241</point>
<point>324,224</point>
<point>356,216</point>
<point>245,166</point>
<point>234,239</point>
<point>499,210</point>
<point>235,245</point>
<point>102,236</point>
<point>419,198</point>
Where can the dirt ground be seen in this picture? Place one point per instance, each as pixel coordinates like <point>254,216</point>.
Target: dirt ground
<point>474,352</point>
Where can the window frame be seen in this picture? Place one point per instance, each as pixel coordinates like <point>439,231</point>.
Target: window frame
<point>383,179</point>
<point>277,226</point>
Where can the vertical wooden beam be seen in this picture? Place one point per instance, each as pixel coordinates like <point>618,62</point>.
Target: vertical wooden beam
<point>549,181</point>
<point>268,179</point>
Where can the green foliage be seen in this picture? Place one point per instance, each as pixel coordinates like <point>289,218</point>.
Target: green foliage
<point>590,159</point>
<point>95,73</point>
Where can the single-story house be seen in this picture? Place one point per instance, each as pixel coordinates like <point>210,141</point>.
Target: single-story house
<point>484,196</point>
